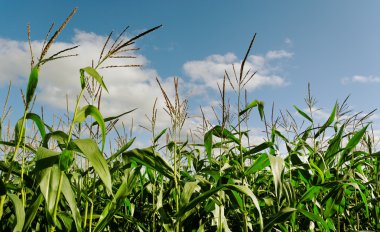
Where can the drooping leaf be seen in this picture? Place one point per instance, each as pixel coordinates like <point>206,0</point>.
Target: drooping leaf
<point>219,132</point>
<point>94,74</point>
<point>94,112</point>
<point>259,104</point>
<point>60,136</point>
<point>277,165</point>
<point>149,158</point>
<point>90,150</point>
<point>19,211</point>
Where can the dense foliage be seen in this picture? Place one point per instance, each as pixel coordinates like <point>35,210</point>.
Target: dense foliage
<point>303,177</point>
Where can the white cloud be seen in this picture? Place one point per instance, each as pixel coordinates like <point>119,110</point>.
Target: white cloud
<point>210,71</point>
<point>128,87</point>
<point>278,54</point>
<point>361,79</point>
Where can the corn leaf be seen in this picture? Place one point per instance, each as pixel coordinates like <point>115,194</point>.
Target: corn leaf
<point>91,151</point>
<point>19,211</point>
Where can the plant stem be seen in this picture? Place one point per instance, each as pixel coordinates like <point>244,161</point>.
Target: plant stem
<point>52,228</point>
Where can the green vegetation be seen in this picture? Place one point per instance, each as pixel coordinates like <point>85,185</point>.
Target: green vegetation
<point>326,179</point>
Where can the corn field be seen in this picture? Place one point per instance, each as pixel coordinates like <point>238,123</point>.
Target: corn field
<point>305,176</point>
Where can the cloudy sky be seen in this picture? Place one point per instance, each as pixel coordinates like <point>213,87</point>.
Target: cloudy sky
<point>333,45</point>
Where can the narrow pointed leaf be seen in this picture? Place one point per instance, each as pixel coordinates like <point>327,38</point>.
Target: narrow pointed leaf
<point>114,117</point>
<point>19,211</point>
<point>259,164</point>
<point>327,123</point>
<point>282,216</point>
<point>150,159</point>
<point>356,138</point>
<point>94,74</point>
<point>315,218</point>
<point>68,193</point>
<point>303,114</point>
<point>91,151</point>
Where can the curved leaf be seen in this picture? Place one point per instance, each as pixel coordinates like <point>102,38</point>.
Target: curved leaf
<point>19,211</point>
<point>94,112</point>
<point>94,74</point>
<point>91,151</point>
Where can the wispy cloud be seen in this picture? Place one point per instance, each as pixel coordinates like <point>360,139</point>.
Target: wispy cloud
<point>210,71</point>
<point>360,79</point>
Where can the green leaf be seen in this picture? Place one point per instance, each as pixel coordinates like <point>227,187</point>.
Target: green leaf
<point>94,112</point>
<point>19,211</point>
<point>66,158</point>
<point>94,74</point>
<point>68,193</point>
<point>206,195</point>
<point>151,159</point>
<point>49,186</point>
<point>259,164</point>
<point>32,85</point>
<point>32,211</point>
<point>121,150</point>
<point>279,217</point>
<point>220,132</point>
<point>303,114</point>
<point>45,158</point>
<point>315,218</point>
<point>114,117</point>
<point>91,151</point>
<point>310,193</point>
<point>328,122</point>
<point>188,190</point>
<point>60,136</point>
<point>260,106</point>
<point>259,148</point>
<point>159,135</point>
<point>128,184</point>
<point>39,123</point>
<point>356,138</point>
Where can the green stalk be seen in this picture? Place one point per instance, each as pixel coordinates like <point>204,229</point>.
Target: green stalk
<point>52,228</point>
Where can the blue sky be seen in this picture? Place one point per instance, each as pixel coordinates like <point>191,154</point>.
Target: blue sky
<point>333,45</point>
